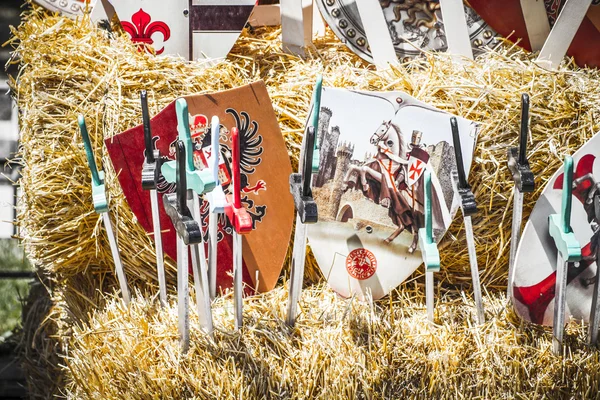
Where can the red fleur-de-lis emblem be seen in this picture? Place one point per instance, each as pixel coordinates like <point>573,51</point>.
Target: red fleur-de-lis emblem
<point>141,30</point>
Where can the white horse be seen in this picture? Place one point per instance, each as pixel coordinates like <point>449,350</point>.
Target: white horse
<point>387,171</point>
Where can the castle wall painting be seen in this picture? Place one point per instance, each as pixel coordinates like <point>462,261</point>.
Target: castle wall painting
<point>374,148</point>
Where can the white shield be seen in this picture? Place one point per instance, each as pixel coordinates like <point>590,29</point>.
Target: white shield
<point>415,170</point>
<point>154,23</point>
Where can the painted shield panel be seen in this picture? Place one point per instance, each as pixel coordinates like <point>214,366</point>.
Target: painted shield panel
<point>506,17</point>
<point>365,240</point>
<point>264,177</point>
<point>413,25</point>
<point>534,282</point>
<point>196,29</point>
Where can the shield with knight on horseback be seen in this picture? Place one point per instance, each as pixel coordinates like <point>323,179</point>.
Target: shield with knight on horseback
<point>370,190</point>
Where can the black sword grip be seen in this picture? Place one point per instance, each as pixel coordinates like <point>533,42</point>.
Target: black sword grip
<point>147,130</point>
<point>181,180</point>
<point>460,167</point>
<point>309,147</point>
<point>524,128</point>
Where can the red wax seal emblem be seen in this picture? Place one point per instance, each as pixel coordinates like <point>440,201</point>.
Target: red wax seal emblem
<point>361,264</point>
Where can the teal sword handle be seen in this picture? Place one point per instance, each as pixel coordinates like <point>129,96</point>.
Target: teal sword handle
<point>98,188</point>
<point>429,250</point>
<point>559,225</point>
<point>200,181</point>
<point>315,121</point>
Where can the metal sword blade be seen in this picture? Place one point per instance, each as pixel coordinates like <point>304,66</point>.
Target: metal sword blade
<point>536,22</point>
<point>515,237</point>
<point>474,270</point>
<point>457,33</point>
<point>562,33</point>
<point>200,272</point>
<point>160,260</point>
<point>116,257</point>
<point>237,279</point>
<point>182,295</point>
<point>595,311</point>
<point>297,275</point>
<point>429,299</point>
<point>213,220</point>
<point>558,328</point>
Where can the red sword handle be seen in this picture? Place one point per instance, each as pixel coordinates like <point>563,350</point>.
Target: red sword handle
<point>237,215</point>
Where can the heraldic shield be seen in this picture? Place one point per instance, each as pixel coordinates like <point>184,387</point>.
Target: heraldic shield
<point>370,186</point>
<point>534,282</point>
<point>265,171</point>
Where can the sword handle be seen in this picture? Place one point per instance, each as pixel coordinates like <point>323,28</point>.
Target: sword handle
<point>235,167</point>
<point>181,177</point>
<point>428,219</point>
<point>183,129</point>
<point>524,128</point>
<point>309,143</point>
<point>215,129</point>
<point>567,194</point>
<point>147,130</point>
<point>88,150</point>
<point>460,167</point>
<point>315,120</point>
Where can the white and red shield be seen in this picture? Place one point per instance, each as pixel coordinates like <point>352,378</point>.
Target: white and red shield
<point>417,162</point>
<point>200,29</point>
<point>534,283</point>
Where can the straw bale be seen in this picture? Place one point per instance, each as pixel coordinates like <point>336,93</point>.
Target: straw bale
<point>341,348</point>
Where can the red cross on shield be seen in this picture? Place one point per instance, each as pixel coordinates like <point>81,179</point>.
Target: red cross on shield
<point>417,162</point>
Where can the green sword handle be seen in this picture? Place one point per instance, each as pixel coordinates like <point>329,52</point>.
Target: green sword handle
<point>559,225</point>
<point>98,188</point>
<point>429,250</point>
<point>315,121</point>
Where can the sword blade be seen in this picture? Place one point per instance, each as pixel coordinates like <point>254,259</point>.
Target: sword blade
<point>182,295</point>
<point>297,274</point>
<point>536,21</point>
<point>213,220</point>
<point>429,299</point>
<point>595,312</point>
<point>559,305</point>
<point>237,279</point>
<point>200,272</point>
<point>515,237</point>
<point>455,23</point>
<point>563,32</point>
<point>114,249</point>
<point>474,270</point>
<point>160,261</point>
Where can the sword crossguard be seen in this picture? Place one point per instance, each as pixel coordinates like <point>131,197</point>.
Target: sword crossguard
<point>216,198</point>
<point>428,246</point>
<point>200,181</point>
<point>459,180</point>
<point>98,188</point>
<point>300,183</point>
<point>559,225</point>
<point>237,215</point>
<point>151,166</point>
<point>315,121</point>
<point>176,203</point>
<point>518,165</point>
